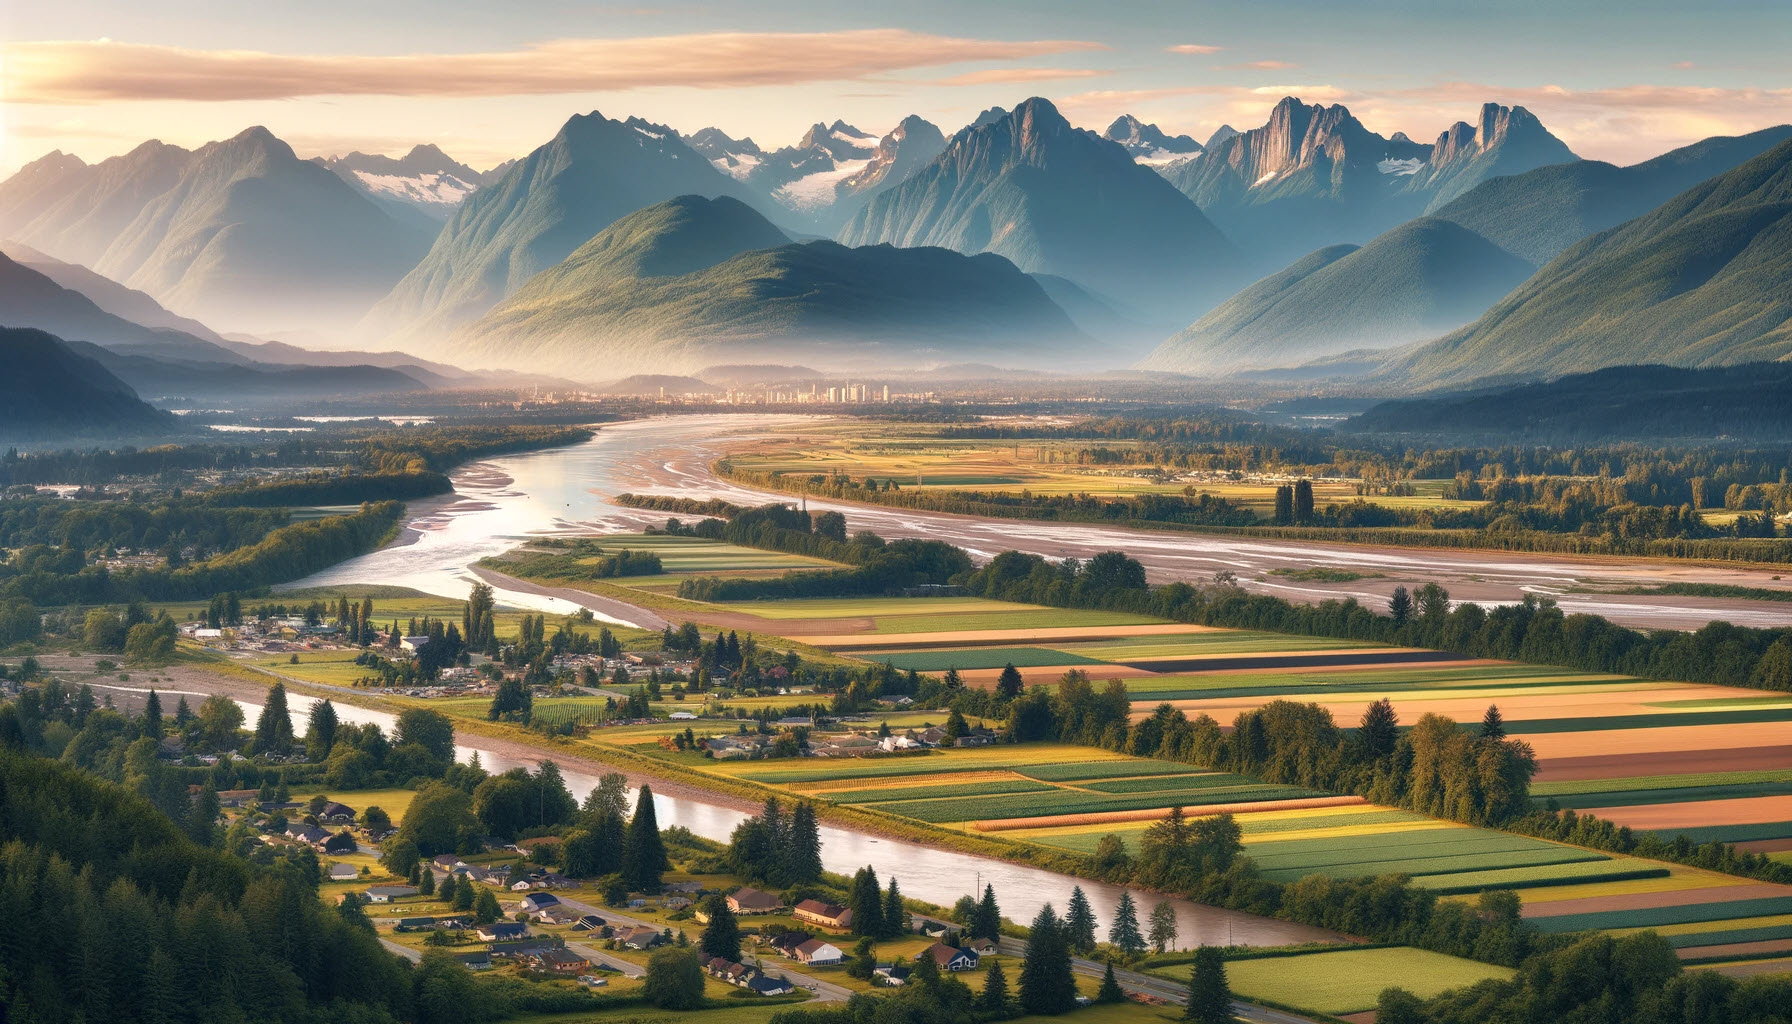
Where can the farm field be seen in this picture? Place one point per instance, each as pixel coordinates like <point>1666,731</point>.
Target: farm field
<point>1347,980</point>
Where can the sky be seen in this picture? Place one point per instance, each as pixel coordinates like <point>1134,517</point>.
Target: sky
<point>1619,81</point>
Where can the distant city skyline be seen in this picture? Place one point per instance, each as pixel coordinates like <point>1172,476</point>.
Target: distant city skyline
<point>489,84</point>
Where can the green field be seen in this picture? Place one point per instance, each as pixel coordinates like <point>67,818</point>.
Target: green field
<point>1658,916</point>
<point>1064,801</point>
<point>1540,877</point>
<point>1347,980</point>
<point>977,657</point>
<point>889,793</point>
<point>1077,771</point>
<point>1423,852</point>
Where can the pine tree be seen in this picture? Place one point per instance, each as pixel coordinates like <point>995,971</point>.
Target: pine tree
<point>1079,923</point>
<point>1400,606</point>
<point>1009,683</point>
<point>1493,724</point>
<point>865,899</point>
<point>1110,991</point>
<point>805,846</point>
<point>449,890</point>
<point>1380,729</point>
<point>273,730</point>
<point>1125,932</point>
<point>994,1000</point>
<point>986,923</point>
<point>1163,926</point>
<point>1303,501</point>
<point>320,730</point>
<point>1284,505</point>
<point>643,854</point>
<point>485,907</point>
<point>895,916</point>
<point>1209,998</point>
<point>426,881</point>
<point>152,716</point>
<point>721,936</point>
<point>202,817</point>
<point>1046,984</point>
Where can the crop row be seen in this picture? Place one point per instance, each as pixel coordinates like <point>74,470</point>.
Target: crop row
<point>1450,865</point>
<point>1678,795</point>
<point>1163,783</point>
<point>1536,877</point>
<point>1659,782</point>
<point>1655,917</point>
<point>1342,848</point>
<point>994,788</point>
<point>1031,805</point>
<point>1262,825</point>
<point>1730,936</point>
<point>1077,771</point>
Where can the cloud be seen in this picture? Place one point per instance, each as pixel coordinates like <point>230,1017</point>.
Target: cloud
<point>1000,75</point>
<point>1684,65</point>
<point>1260,65</point>
<point>71,72</point>
<point>1195,48</point>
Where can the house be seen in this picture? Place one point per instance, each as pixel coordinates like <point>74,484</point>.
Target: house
<point>950,958</point>
<point>344,873</point>
<point>337,814</point>
<point>415,924</point>
<point>893,974</point>
<point>676,903</point>
<point>447,862</point>
<point>639,937</point>
<point>891,744</point>
<point>560,961</point>
<point>480,961</point>
<point>819,953</point>
<point>523,886</point>
<point>747,900</point>
<point>413,643</point>
<point>539,901</point>
<point>982,947</point>
<point>588,923</point>
<point>729,971</point>
<point>501,931</point>
<point>340,843</point>
<point>311,835</point>
<point>932,736</point>
<point>556,915</point>
<point>388,893</point>
<point>237,797</point>
<point>823,915</point>
<point>686,888</point>
<point>766,985</point>
<point>786,942</point>
<point>682,716</point>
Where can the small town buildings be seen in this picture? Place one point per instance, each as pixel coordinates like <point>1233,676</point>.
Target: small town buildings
<point>537,902</point>
<point>589,923</point>
<point>747,900</point>
<point>480,961</point>
<point>893,974</point>
<point>388,893</point>
<point>237,797</point>
<point>819,953</point>
<point>344,873</point>
<point>982,947</point>
<point>950,958</point>
<point>766,985</point>
<point>562,961</point>
<point>640,937</point>
<point>501,931</point>
<point>413,643</point>
<point>415,924</point>
<point>447,862</point>
<point>340,843</point>
<point>337,814</point>
<point>786,942</point>
<point>823,915</point>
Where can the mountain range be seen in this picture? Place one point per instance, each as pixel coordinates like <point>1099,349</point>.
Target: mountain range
<point>1705,279</point>
<point>695,281</point>
<point>424,180</point>
<point>1147,143</point>
<point>1054,199</point>
<point>238,233</point>
<point>1313,175</point>
<point>49,388</point>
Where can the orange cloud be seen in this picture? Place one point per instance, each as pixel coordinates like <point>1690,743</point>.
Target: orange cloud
<point>98,71</point>
<point>1261,65</point>
<point>1195,48</point>
<point>1002,75</point>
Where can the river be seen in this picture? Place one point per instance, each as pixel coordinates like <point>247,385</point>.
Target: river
<point>925,873</point>
<point>501,502</point>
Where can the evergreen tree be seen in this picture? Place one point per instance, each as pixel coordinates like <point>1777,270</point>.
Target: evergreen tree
<point>1209,998</point>
<point>1110,991</point>
<point>1303,501</point>
<point>804,857</point>
<point>449,890</point>
<point>1284,505</point>
<point>994,1000</point>
<point>320,730</point>
<point>1125,932</point>
<point>1493,724</point>
<point>643,854</point>
<point>674,980</point>
<point>1163,927</point>
<point>1380,730</point>
<point>1046,984</point>
<point>865,899</point>
<point>152,716</point>
<point>183,715</point>
<point>1079,923</point>
<point>1400,606</point>
<point>464,896</point>
<point>986,923</point>
<point>1009,683</point>
<point>485,908</point>
<point>894,917</point>
<point>721,936</point>
<point>426,881</point>
<point>202,817</point>
<point>273,730</point>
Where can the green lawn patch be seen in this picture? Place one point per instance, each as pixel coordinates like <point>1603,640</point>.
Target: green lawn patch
<point>980,657</point>
<point>1656,917</point>
<point>1537,877</point>
<point>1348,980</point>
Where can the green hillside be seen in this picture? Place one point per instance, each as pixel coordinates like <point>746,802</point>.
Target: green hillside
<point>693,282</point>
<point>1416,281</point>
<point>48,388</point>
<point>1704,280</point>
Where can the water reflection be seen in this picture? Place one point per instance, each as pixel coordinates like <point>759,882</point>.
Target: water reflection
<point>925,873</point>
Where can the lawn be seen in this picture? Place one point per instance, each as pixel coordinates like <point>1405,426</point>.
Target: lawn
<point>979,657</point>
<point>1347,980</point>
